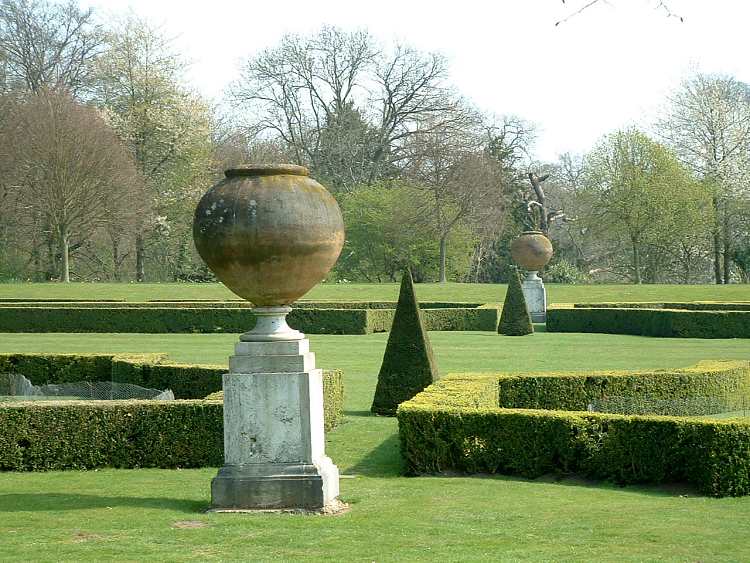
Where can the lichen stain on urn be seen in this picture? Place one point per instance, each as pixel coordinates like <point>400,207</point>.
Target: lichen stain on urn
<point>269,233</point>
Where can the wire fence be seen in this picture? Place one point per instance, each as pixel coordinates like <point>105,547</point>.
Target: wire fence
<point>16,387</point>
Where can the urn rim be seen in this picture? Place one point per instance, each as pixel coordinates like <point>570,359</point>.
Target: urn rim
<point>266,170</point>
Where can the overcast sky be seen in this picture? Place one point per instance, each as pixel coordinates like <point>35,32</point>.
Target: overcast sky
<point>608,67</point>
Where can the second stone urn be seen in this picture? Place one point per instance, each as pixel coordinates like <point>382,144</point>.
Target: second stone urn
<point>270,233</point>
<point>531,250</point>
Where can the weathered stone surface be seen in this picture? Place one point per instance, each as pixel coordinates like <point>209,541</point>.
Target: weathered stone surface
<point>283,348</point>
<point>272,364</point>
<point>275,486</point>
<point>536,298</point>
<point>274,444</point>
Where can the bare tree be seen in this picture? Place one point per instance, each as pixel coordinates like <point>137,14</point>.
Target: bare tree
<point>707,123</point>
<point>458,178</point>
<point>68,167</point>
<point>342,105</point>
<point>658,4</point>
<point>47,46</point>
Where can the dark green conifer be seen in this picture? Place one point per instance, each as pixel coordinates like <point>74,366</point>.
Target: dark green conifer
<point>515,319</point>
<point>408,365</point>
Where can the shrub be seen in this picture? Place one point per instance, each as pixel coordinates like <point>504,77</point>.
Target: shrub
<point>197,317</point>
<point>651,322</point>
<point>408,365</point>
<point>563,271</point>
<point>43,435</point>
<point>712,455</point>
<point>727,382</point>
<point>515,319</point>
<point>187,381</point>
<point>453,425</point>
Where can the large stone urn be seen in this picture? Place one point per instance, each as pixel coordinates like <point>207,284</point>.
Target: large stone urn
<point>531,250</point>
<point>270,233</point>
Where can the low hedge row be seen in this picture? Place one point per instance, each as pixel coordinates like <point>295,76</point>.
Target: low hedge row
<point>172,320</point>
<point>690,306</point>
<point>187,381</point>
<point>226,319</point>
<point>714,456</point>
<point>381,305</point>
<point>210,304</point>
<point>723,385</point>
<point>457,425</point>
<point>651,322</point>
<point>40,435</point>
<point>55,300</point>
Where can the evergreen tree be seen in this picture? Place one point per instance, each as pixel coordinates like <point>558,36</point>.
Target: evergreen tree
<point>408,365</point>
<point>515,319</point>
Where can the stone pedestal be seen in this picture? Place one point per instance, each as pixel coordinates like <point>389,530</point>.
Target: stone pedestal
<point>274,446</point>
<point>536,297</point>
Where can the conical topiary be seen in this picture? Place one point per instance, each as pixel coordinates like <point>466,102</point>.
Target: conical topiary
<point>515,319</point>
<point>408,365</point>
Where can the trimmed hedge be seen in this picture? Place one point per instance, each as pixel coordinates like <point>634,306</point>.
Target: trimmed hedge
<point>41,435</point>
<point>200,319</point>
<point>714,456</point>
<point>651,322</point>
<point>172,320</point>
<point>691,306</point>
<point>454,426</point>
<point>187,381</point>
<point>381,305</point>
<point>408,362</point>
<point>515,319</point>
<point>726,382</point>
<point>211,304</point>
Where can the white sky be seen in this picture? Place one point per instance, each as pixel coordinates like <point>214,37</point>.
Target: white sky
<point>610,66</point>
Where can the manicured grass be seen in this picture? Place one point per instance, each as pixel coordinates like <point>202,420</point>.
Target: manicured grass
<point>486,293</point>
<point>157,514</point>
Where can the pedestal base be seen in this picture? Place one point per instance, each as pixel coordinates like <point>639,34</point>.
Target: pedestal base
<point>274,443</point>
<point>536,297</point>
<point>275,487</point>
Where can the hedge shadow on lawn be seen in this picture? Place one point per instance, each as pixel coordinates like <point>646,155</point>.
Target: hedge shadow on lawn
<point>384,460</point>
<point>61,502</point>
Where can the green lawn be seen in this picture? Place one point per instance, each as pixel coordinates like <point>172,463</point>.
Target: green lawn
<point>486,293</point>
<point>157,514</point>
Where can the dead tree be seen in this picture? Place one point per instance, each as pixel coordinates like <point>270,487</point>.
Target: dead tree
<point>539,215</point>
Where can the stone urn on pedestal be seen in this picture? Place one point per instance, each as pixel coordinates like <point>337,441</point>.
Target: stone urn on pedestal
<point>531,250</point>
<point>271,233</point>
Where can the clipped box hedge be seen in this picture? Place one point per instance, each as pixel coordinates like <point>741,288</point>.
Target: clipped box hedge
<point>43,435</point>
<point>56,435</point>
<point>198,318</point>
<point>689,305</point>
<point>454,426</point>
<point>172,320</point>
<point>651,322</point>
<point>727,383</point>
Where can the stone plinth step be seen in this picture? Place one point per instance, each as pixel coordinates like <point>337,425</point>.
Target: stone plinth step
<point>272,364</point>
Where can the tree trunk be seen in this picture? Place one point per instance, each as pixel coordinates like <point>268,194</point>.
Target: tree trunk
<point>65,255</point>
<point>717,243</point>
<point>116,259</point>
<point>140,274</point>
<point>727,246</point>
<point>443,252</point>
<point>636,263</point>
